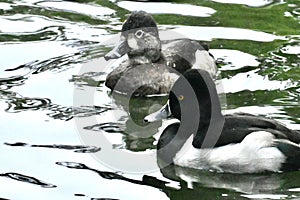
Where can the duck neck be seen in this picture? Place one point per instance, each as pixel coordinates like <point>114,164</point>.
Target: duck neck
<point>170,143</point>
<point>202,113</point>
<point>151,56</point>
<point>211,121</point>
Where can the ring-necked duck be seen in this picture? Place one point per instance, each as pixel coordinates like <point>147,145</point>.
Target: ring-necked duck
<point>153,65</point>
<point>207,139</point>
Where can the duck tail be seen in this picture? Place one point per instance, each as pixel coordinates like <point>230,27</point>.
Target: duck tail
<point>292,152</point>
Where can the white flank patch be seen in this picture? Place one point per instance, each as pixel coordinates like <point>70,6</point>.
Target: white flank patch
<point>254,154</point>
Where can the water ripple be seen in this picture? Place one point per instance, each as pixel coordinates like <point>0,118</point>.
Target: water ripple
<point>147,180</point>
<point>55,64</point>
<point>47,33</point>
<point>88,79</point>
<point>17,103</point>
<point>284,63</point>
<point>7,83</point>
<point>32,26</point>
<point>76,148</point>
<point>110,127</point>
<point>27,179</point>
<point>67,113</point>
<point>25,103</point>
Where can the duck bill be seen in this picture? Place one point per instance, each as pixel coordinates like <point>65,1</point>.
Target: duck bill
<point>117,52</point>
<point>163,113</point>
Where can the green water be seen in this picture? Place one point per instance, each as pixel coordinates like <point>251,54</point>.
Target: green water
<point>65,136</point>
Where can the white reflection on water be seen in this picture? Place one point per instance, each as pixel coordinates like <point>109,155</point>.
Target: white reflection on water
<point>235,59</point>
<point>54,86</point>
<point>5,6</point>
<point>291,50</point>
<point>208,33</point>
<point>265,196</point>
<point>167,8</point>
<point>257,110</point>
<point>20,24</point>
<point>252,3</point>
<point>91,10</point>
<point>294,190</point>
<point>252,81</point>
<point>42,51</point>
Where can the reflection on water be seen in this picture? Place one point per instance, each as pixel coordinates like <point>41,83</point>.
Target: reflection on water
<point>233,183</point>
<point>43,46</point>
<point>92,10</point>
<point>76,148</point>
<point>167,8</point>
<point>210,33</point>
<point>253,3</point>
<point>234,59</point>
<point>27,179</point>
<point>253,82</point>
<point>17,103</point>
<point>193,181</point>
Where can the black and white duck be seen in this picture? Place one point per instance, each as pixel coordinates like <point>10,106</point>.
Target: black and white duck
<point>208,140</point>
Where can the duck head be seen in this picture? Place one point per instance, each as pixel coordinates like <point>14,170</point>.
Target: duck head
<point>193,97</point>
<point>194,101</point>
<point>139,39</point>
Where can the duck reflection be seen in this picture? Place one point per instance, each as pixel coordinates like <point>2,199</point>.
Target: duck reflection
<point>138,135</point>
<point>210,185</point>
<point>243,183</point>
<point>195,184</point>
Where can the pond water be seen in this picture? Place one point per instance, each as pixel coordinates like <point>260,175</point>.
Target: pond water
<point>65,136</point>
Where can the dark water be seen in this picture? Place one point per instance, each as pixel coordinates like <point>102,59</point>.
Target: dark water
<point>64,136</point>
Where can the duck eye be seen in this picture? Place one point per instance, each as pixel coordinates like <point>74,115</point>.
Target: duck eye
<point>180,97</point>
<point>139,33</point>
